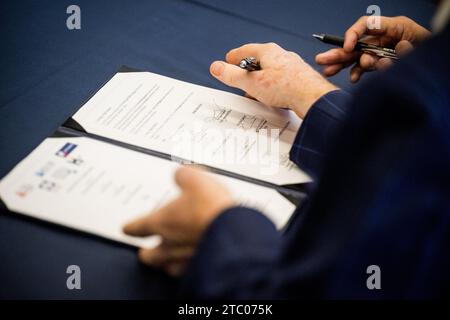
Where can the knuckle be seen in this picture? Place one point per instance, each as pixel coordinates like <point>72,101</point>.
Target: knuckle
<point>293,54</point>
<point>363,19</point>
<point>273,45</point>
<point>404,19</point>
<point>250,44</point>
<point>349,32</point>
<point>338,54</point>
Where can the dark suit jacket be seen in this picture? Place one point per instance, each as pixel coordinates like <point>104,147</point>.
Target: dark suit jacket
<point>382,197</point>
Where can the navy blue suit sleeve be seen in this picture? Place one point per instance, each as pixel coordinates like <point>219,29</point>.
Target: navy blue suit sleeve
<point>244,253</point>
<point>245,245</point>
<point>318,129</point>
<point>381,199</point>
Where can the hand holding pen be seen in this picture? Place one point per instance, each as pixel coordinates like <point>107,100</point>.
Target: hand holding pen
<point>279,78</point>
<point>360,46</point>
<point>282,79</point>
<point>397,33</point>
<point>366,49</point>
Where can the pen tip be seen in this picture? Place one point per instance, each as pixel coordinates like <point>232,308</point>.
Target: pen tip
<point>318,36</point>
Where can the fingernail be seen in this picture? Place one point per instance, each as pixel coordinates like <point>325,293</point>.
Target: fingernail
<point>217,68</point>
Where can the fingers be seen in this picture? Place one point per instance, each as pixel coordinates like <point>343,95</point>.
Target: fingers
<point>368,61</point>
<point>336,56</point>
<point>384,63</point>
<point>257,50</point>
<point>141,227</point>
<point>150,224</point>
<point>331,70</point>
<point>355,73</point>
<point>192,178</point>
<point>164,253</point>
<point>234,56</point>
<point>403,47</point>
<point>355,32</point>
<point>360,28</point>
<point>172,259</point>
<point>230,74</point>
<point>337,59</point>
<point>171,222</point>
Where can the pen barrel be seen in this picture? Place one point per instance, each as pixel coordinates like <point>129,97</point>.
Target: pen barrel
<point>339,41</point>
<point>334,40</point>
<point>361,46</point>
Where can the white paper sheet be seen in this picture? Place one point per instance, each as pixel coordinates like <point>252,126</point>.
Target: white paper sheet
<point>196,123</point>
<point>97,187</point>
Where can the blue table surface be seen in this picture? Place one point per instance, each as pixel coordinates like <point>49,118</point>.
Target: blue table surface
<point>48,71</point>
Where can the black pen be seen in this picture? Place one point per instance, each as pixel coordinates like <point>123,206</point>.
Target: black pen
<point>360,46</point>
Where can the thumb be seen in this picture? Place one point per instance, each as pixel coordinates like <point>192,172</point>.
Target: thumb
<point>155,223</point>
<point>403,47</point>
<point>192,178</point>
<point>230,74</point>
<point>147,225</point>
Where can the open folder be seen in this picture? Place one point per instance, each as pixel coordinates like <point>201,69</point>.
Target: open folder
<point>114,159</point>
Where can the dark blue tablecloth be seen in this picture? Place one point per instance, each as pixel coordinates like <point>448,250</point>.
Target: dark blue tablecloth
<point>47,71</point>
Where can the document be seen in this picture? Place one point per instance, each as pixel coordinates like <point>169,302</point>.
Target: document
<point>97,187</point>
<point>195,123</point>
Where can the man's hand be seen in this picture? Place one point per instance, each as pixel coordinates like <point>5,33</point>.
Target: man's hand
<point>399,32</point>
<point>284,81</point>
<point>181,222</point>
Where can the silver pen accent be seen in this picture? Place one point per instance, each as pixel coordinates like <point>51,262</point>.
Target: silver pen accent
<point>360,46</point>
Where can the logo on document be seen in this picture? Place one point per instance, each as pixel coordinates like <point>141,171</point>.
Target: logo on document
<point>66,150</point>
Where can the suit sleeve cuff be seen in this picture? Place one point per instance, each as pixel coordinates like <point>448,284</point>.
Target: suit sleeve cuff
<point>239,241</point>
<point>318,130</point>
